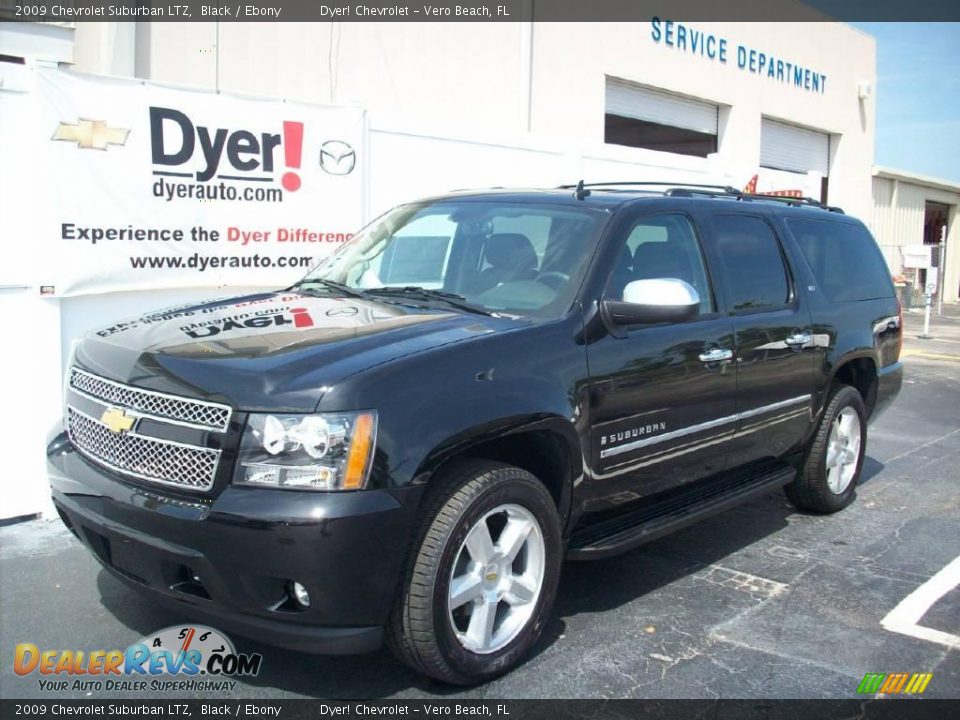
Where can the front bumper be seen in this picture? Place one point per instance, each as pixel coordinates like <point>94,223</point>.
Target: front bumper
<point>227,561</point>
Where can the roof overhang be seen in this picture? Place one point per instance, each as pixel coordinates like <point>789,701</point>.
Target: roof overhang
<point>916,179</point>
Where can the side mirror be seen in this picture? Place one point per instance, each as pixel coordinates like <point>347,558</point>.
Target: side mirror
<point>654,301</point>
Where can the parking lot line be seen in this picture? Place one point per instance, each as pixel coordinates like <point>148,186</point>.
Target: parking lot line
<point>929,355</point>
<point>924,445</point>
<point>905,617</point>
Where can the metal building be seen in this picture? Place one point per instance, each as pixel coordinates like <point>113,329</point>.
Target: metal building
<point>912,216</point>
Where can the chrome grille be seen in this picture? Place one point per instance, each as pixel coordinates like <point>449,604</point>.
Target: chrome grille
<point>152,459</point>
<point>159,406</point>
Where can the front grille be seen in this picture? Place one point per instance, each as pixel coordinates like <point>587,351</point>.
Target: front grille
<point>152,459</point>
<point>159,406</point>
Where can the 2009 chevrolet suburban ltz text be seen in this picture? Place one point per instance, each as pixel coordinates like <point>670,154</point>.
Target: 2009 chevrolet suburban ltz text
<point>406,444</point>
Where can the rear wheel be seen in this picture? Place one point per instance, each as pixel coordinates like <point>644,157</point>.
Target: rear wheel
<point>829,475</point>
<point>484,575</point>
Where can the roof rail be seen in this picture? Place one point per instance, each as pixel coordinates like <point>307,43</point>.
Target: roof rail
<point>705,190</point>
<point>795,201</point>
<point>633,183</point>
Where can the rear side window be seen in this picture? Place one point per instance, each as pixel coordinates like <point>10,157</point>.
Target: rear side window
<point>844,258</point>
<point>751,263</point>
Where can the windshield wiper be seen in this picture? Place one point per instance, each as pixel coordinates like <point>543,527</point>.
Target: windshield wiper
<point>422,293</point>
<point>331,284</point>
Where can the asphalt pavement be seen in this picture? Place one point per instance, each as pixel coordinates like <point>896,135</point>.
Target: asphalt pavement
<point>760,602</point>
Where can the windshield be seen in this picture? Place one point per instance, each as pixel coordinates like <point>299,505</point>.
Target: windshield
<point>517,259</point>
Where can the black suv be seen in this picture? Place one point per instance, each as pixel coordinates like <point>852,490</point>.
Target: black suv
<point>408,442</point>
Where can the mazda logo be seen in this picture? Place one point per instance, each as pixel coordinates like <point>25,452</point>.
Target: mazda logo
<point>337,157</point>
<point>337,312</point>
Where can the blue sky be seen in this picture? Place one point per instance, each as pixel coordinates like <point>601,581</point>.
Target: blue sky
<point>918,97</point>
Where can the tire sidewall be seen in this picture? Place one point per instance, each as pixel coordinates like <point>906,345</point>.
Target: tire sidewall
<point>519,491</point>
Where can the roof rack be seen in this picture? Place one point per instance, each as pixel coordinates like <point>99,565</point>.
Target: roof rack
<point>794,201</point>
<point>705,190</point>
<point>632,183</point>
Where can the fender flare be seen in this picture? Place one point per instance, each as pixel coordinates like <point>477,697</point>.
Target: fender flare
<point>552,424</point>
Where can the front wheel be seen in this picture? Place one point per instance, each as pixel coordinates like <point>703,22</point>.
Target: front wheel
<point>828,479</point>
<point>483,579</point>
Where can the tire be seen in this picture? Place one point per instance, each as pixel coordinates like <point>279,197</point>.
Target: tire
<point>433,634</point>
<point>828,478</point>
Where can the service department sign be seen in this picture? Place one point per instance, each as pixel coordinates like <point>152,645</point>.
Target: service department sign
<point>761,62</point>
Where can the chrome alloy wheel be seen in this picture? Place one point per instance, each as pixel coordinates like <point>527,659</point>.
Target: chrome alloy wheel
<point>843,450</point>
<point>495,583</point>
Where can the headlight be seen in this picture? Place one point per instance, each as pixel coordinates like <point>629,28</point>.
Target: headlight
<point>328,451</point>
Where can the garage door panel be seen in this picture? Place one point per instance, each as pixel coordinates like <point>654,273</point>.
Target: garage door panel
<point>793,148</point>
<point>642,103</point>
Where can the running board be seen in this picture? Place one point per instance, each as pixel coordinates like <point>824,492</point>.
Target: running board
<point>663,517</point>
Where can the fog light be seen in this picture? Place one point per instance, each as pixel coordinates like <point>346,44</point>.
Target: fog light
<point>301,595</point>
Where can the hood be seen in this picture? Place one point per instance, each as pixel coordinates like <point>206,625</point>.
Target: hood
<point>273,351</point>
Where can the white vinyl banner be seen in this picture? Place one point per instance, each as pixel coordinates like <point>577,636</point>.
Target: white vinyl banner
<point>132,185</point>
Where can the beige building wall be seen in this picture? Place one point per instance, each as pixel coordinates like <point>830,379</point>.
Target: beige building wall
<point>511,79</point>
<point>461,75</point>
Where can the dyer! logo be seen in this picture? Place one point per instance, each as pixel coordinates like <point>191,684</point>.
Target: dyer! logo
<point>225,154</point>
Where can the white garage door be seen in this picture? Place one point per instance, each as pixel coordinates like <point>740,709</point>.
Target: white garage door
<point>793,148</point>
<point>640,103</point>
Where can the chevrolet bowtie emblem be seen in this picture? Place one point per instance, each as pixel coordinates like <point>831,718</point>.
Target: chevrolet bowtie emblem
<point>117,420</point>
<point>95,134</point>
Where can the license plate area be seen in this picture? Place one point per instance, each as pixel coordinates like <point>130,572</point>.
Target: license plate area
<point>131,559</point>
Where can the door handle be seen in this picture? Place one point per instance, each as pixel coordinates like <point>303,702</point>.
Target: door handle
<point>798,340</point>
<point>716,355</point>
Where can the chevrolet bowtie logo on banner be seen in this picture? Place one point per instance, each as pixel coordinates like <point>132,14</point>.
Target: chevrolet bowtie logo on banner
<point>91,134</point>
<point>117,420</point>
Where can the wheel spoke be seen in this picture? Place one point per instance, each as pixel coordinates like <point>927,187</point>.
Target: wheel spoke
<point>847,422</point>
<point>464,589</point>
<point>480,630</point>
<point>833,479</point>
<point>521,591</point>
<point>838,433</point>
<point>833,455</point>
<point>855,450</point>
<point>513,536</point>
<point>479,544</point>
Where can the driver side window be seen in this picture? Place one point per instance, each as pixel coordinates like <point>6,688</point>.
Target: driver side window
<point>662,246</point>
